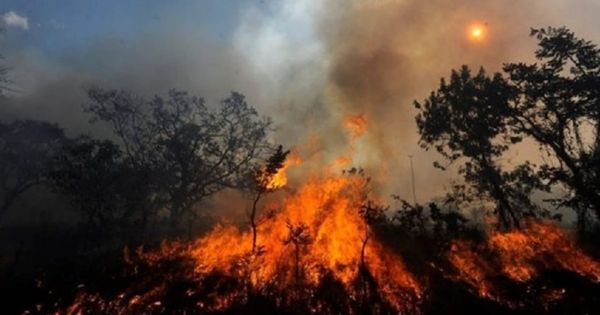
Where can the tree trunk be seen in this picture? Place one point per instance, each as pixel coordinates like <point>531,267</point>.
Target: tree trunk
<point>253,224</point>
<point>506,213</point>
<point>363,265</point>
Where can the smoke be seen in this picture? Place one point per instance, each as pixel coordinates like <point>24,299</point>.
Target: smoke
<point>308,64</point>
<point>377,57</point>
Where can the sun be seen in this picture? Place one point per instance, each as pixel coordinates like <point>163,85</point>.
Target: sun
<point>476,32</point>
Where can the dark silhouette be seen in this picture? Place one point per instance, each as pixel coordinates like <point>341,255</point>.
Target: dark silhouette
<point>558,105</point>
<point>27,150</point>
<point>554,102</point>
<point>466,118</point>
<point>191,150</point>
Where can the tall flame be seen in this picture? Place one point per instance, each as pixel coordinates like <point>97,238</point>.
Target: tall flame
<point>328,207</point>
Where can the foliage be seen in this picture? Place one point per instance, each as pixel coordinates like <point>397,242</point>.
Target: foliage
<point>558,107</point>
<point>27,148</point>
<point>192,150</point>
<point>466,118</point>
<point>554,102</point>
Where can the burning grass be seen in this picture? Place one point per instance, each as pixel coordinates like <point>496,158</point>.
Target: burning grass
<point>520,256</point>
<point>310,258</point>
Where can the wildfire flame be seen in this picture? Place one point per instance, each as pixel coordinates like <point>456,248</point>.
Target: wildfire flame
<point>356,124</point>
<point>520,255</point>
<point>316,233</point>
<point>280,178</point>
<point>328,208</point>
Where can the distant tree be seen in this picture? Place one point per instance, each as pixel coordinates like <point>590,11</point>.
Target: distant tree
<point>411,218</point>
<point>27,151</point>
<point>262,182</point>
<point>192,151</point>
<point>4,80</point>
<point>467,118</point>
<point>559,107</point>
<point>450,222</point>
<point>88,173</point>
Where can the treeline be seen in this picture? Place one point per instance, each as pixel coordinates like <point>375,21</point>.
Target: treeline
<point>163,157</point>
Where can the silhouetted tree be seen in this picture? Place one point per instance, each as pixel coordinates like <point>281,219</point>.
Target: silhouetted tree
<point>88,173</point>
<point>192,151</point>
<point>410,218</point>
<point>559,107</point>
<point>27,150</point>
<point>466,118</point>
<point>262,183</point>
<point>451,223</point>
<point>554,102</point>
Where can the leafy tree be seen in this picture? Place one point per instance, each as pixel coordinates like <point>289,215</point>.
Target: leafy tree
<point>466,118</point>
<point>88,172</point>
<point>192,150</point>
<point>27,150</point>
<point>410,218</point>
<point>559,107</point>
<point>448,222</point>
<point>555,102</point>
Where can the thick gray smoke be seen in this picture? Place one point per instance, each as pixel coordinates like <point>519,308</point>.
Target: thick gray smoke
<point>309,64</point>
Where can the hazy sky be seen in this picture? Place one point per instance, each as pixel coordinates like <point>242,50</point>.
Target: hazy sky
<point>307,63</point>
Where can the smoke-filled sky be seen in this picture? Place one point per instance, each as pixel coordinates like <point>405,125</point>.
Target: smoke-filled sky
<point>309,64</point>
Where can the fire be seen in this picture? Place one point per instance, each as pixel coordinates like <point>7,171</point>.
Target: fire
<point>520,255</point>
<point>328,209</point>
<point>342,161</point>
<point>316,234</point>
<point>280,178</point>
<point>356,124</point>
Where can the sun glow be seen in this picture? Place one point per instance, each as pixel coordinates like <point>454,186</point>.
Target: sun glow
<point>477,32</point>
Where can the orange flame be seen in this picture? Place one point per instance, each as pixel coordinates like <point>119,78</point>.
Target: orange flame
<point>280,178</point>
<point>328,207</point>
<point>520,255</point>
<point>356,124</point>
